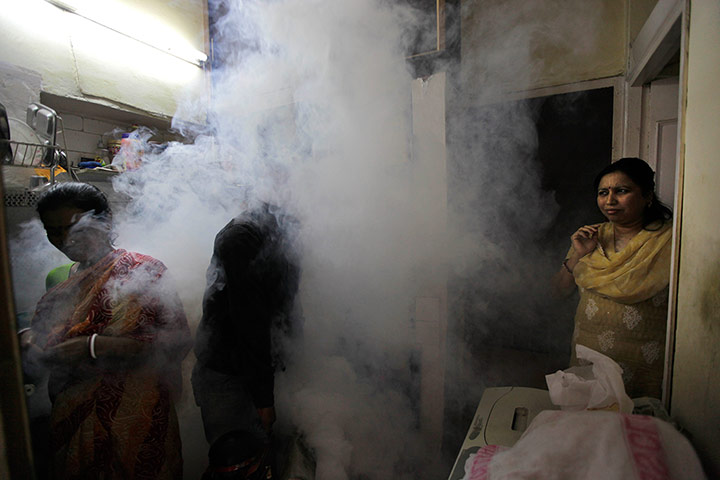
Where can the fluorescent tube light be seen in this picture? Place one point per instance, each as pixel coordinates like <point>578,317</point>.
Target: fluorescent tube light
<point>136,26</point>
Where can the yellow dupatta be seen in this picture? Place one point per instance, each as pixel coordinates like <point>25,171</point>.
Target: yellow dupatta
<point>636,273</point>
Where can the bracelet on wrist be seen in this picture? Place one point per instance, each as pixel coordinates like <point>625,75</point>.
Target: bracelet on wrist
<point>565,264</point>
<point>91,345</point>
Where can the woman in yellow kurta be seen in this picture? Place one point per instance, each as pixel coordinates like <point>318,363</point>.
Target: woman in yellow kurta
<point>621,268</point>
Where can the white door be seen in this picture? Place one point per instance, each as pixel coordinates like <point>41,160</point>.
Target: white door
<point>660,124</point>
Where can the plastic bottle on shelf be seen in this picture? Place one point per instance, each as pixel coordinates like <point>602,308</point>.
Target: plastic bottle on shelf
<point>130,152</point>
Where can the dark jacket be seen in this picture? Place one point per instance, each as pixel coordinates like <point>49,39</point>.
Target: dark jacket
<point>252,281</point>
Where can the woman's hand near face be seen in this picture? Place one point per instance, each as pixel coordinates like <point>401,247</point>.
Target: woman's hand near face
<point>584,240</point>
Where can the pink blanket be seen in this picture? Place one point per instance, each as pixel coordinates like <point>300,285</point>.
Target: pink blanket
<point>601,445</point>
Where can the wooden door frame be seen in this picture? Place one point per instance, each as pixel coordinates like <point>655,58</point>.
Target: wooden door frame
<point>662,35</point>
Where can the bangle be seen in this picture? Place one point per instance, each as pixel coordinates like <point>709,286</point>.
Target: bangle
<point>564,264</point>
<point>91,344</point>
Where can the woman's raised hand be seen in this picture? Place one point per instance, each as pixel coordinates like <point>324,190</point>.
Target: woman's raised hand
<point>585,239</point>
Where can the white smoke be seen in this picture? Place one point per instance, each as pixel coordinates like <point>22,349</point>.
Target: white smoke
<point>314,115</point>
<point>32,258</point>
<point>312,112</point>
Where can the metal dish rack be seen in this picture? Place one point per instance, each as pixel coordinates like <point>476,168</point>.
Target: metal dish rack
<point>31,156</point>
<point>35,155</point>
<point>47,155</point>
<point>32,161</point>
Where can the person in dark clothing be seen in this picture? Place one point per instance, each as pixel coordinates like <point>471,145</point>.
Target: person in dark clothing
<point>247,309</point>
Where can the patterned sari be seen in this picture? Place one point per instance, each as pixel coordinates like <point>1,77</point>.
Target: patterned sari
<point>107,421</point>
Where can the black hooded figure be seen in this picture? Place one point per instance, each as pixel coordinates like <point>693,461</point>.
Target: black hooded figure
<point>248,311</point>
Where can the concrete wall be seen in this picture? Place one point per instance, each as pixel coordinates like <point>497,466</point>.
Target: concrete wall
<point>513,45</point>
<point>79,59</point>
<point>520,45</point>
<point>695,391</point>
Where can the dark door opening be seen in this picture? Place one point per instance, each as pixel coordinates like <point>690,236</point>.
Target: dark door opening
<point>519,183</point>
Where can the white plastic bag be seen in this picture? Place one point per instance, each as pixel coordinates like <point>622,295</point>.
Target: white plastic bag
<point>593,387</point>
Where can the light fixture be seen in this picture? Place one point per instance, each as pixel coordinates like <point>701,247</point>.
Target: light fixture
<point>135,26</point>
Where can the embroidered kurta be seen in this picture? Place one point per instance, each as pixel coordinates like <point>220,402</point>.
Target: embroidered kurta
<point>623,305</point>
<point>632,335</point>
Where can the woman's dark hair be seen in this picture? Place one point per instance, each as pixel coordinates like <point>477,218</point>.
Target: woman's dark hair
<point>643,176</point>
<point>84,196</point>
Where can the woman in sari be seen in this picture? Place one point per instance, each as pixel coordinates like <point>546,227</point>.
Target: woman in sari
<point>112,336</point>
<point>621,268</point>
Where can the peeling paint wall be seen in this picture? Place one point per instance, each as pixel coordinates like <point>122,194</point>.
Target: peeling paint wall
<point>695,391</point>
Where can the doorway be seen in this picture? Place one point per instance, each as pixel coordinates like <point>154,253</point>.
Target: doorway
<point>520,181</point>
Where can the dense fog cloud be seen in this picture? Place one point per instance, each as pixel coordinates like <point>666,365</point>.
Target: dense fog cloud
<point>311,110</point>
